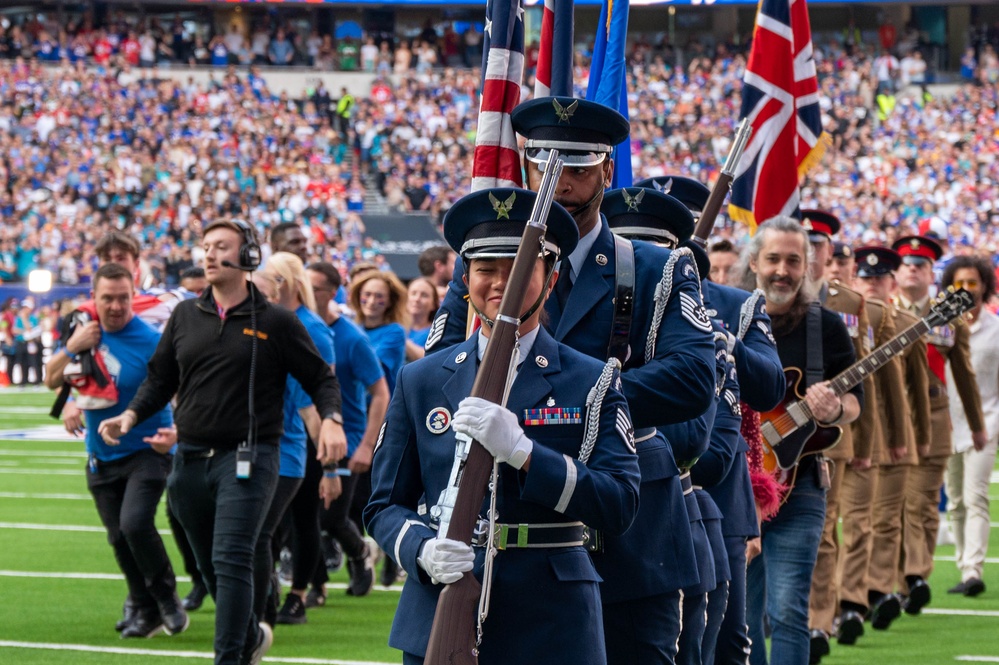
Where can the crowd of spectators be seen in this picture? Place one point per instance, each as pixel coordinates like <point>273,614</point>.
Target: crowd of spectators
<point>84,150</point>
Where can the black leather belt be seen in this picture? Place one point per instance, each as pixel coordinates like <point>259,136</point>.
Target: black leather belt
<point>685,483</point>
<point>197,453</point>
<point>534,536</point>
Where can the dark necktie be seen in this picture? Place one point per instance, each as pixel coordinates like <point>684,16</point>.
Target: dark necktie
<point>563,286</point>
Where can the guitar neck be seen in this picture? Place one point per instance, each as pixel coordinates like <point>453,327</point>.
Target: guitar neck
<point>878,358</point>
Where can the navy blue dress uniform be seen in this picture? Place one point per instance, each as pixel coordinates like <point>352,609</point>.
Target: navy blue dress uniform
<point>723,470</point>
<point>539,593</point>
<point>668,377</point>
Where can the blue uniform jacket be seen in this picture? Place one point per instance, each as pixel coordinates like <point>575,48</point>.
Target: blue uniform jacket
<point>677,382</point>
<point>555,588</point>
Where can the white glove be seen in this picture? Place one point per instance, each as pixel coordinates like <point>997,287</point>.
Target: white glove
<point>496,428</point>
<point>445,560</point>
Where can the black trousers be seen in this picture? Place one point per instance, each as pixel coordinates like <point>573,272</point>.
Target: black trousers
<point>263,559</point>
<point>127,493</point>
<point>303,516</point>
<point>222,516</point>
<point>337,523</point>
<point>184,546</point>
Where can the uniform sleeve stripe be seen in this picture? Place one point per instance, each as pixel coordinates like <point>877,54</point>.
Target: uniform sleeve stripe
<point>570,485</point>
<point>402,534</point>
<point>436,331</point>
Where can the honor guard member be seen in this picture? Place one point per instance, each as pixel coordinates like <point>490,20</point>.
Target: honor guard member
<point>948,343</point>
<point>875,279</point>
<point>843,265</point>
<point>889,413</point>
<point>725,474</point>
<point>565,448</point>
<point>641,304</point>
<point>643,214</point>
<point>855,446</point>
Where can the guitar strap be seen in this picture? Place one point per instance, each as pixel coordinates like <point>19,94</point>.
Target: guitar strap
<point>624,298</point>
<point>814,369</point>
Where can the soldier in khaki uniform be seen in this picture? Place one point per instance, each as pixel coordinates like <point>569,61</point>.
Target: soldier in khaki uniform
<point>876,281</point>
<point>945,344</point>
<point>886,408</point>
<point>856,442</point>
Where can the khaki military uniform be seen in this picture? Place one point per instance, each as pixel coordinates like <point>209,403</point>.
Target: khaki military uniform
<point>890,493</point>
<point>950,343</point>
<point>886,410</point>
<point>857,441</point>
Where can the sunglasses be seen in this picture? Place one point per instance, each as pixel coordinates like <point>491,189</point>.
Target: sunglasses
<point>968,284</point>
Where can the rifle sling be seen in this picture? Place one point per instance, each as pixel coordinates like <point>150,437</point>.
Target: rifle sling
<point>624,299</point>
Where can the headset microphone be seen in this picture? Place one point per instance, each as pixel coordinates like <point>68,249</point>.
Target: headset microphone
<point>230,264</point>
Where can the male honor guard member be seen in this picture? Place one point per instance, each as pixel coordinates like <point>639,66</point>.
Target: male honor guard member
<point>641,304</point>
<point>566,458</point>
<point>876,281</point>
<point>948,343</point>
<point>889,413</point>
<point>856,443</point>
<point>725,475</point>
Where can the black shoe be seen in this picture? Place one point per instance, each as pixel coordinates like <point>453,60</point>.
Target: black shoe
<point>885,611</point>
<point>129,612</point>
<point>919,597</point>
<point>293,610</point>
<point>973,587</point>
<point>390,572</point>
<point>362,574</point>
<point>315,598</point>
<point>818,646</point>
<point>958,588</point>
<point>851,626</point>
<point>145,624</point>
<point>332,554</point>
<point>195,597</point>
<point>265,638</point>
<point>175,619</point>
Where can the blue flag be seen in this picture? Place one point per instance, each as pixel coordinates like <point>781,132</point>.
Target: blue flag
<point>608,77</point>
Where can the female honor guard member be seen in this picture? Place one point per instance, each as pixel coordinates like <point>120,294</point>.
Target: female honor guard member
<point>564,442</point>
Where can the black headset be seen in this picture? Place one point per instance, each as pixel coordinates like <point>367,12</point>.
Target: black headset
<point>249,251</point>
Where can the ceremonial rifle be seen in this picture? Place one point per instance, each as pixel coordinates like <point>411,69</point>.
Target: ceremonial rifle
<point>706,221</point>
<point>790,431</point>
<point>454,636</point>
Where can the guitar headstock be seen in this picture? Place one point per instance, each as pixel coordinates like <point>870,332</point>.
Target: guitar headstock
<point>949,305</point>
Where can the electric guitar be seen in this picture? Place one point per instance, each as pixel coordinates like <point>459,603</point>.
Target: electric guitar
<point>790,431</point>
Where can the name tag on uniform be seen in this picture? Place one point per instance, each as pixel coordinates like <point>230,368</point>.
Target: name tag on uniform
<point>554,416</point>
<point>941,336</point>
<point>852,323</point>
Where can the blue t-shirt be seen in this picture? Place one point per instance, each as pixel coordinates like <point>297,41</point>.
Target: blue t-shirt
<point>357,370</point>
<point>389,341</point>
<point>419,337</point>
<point>126,353</point>
<point>293,440</point>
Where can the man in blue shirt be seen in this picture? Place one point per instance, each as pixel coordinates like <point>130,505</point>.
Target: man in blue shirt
<point>128,480</point>
<point>361,376</point>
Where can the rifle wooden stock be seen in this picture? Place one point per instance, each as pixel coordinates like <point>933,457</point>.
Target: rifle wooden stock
<point>709,214</point>
<point>454,632</point>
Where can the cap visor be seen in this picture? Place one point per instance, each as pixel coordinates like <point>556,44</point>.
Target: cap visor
<point>569,158</point>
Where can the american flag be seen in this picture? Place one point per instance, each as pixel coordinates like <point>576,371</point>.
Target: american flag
<point>553,75</point>
<point>780,97</point>
<point>497,161</point>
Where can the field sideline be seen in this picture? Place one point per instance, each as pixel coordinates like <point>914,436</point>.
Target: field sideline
<point>62,592</point>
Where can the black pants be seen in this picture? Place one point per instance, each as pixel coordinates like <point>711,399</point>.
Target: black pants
<point>184,546</point>
<point>263,559</point>
<point>127,493</point>
<point>337,523</point>
<point>304,514</point>
<point>222,516</point>
<point>27,361</point>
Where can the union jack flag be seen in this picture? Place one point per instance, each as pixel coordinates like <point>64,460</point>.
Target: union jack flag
<point>781,99</point>
<point>497,162</point>
<point>553,75</point>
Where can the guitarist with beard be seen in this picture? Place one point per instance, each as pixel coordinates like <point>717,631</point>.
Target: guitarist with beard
<point>779,578</point>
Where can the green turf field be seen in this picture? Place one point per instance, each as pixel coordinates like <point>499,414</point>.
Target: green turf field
<point>61,592</point>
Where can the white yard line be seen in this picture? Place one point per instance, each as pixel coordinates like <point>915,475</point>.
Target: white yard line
<point>941,557</point>
<point>51,527</point>
<point>31,495</point>
<point>44,472</point>
<point>206,655</point>
<point>962,613</point>
<point>44,453</point>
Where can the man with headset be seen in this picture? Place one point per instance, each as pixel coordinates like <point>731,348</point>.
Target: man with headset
<point>225,472</point>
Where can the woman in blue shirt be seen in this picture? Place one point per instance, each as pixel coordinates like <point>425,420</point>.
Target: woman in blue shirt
<point>422,303</point>
<point>285,283</point>
<point>378,299</point>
